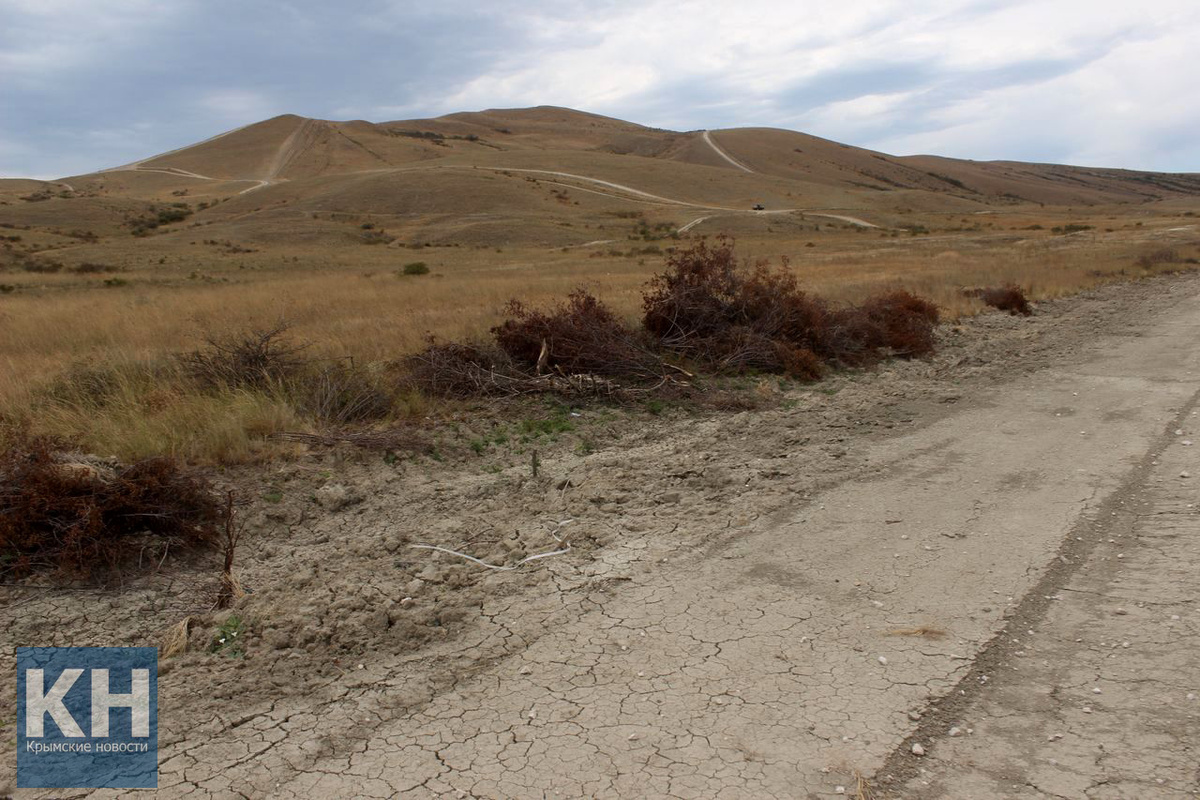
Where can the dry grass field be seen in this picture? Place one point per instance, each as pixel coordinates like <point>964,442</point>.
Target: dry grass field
<point>106,278</point>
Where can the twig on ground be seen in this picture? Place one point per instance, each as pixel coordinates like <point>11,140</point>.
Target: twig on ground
<point>566,548</point>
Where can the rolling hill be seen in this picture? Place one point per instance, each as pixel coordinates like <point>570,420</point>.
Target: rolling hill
<point>532,175</point>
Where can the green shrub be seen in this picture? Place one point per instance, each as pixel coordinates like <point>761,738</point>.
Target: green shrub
<point>416,268</point>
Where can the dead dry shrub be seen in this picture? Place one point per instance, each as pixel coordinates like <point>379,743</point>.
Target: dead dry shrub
<point>1163,255</point>
<point>742,349</point>
<point>579,337</point>
<point>256,358</point>
<point>82,516</point>
<point>725,316</point>
<point>693,298</point>
<point>897,324</point>
<point>453,369</point>
<point>1005,298</point>
<point>341,394</point>
<point>739,318</point>
<point>448,369</point>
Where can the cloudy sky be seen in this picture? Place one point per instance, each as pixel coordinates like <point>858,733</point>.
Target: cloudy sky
<point>86,84</point>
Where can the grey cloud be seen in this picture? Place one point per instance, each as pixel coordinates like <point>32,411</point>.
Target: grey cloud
<point>91,97</point>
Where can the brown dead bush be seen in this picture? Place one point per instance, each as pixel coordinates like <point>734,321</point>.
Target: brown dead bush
<point>733,318</point>
<point>739,318</point>
<point>257,358</point>
<point>82,516</point>
<point>452,369</point>
<point>1005,298</point>
<point>579,337</point>
<point>897,324</point>
<point>1164,255</point>
<point>341,394</point>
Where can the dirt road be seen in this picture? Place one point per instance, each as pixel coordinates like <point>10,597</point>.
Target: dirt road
<point>709,141</point>
<point>951,554</point>
<point>768,664</point>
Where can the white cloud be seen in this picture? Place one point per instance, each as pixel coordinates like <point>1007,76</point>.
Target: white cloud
<point>45,38</point>
<point>238,105</point>
<point>1051,79</point>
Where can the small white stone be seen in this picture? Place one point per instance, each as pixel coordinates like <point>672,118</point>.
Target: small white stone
<point>1185,474</point>
<point>525,670</point>
<point>882,660</point>
<point>914,715</point>
<point>1179,432</point>
<point>633,737</point>
<point>955,732</point>
<point>1191,696</point>
<point>1086,709</point>
<point>917,750</point>
<point>1095,690</point>
<point>839,790</point>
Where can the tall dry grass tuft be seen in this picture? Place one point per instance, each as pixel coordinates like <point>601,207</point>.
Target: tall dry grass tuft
<point>138,410</point>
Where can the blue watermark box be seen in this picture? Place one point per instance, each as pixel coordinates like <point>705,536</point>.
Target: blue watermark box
<point>87,717</point>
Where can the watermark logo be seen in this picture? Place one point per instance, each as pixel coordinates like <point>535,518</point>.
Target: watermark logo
<point>87,717</point>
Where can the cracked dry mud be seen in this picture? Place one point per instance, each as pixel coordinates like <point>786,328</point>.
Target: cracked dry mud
<point>753,602</point>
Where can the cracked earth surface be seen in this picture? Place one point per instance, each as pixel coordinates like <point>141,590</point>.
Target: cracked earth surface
<point>763,604</point>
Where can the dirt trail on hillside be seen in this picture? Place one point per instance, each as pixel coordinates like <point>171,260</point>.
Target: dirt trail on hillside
<point>717,149</point>
<point>762,604</point>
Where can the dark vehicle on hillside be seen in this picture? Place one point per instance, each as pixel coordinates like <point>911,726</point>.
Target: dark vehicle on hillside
<point>757,207</point>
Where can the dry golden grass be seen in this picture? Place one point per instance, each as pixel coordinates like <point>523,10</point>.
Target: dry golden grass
<point>65,320</point>
<point>176,641</point>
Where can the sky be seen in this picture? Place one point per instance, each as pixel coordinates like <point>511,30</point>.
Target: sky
<point>88,84</point>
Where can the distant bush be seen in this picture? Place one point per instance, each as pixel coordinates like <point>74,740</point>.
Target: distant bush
<point>176,212</point>
<point>36,266</point>
<point>91,268</point>
<point>1156,257</point>
<point>1073,227</point>
<point>376,237</point>
<point>82,516</point>
<point>416,268</point>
